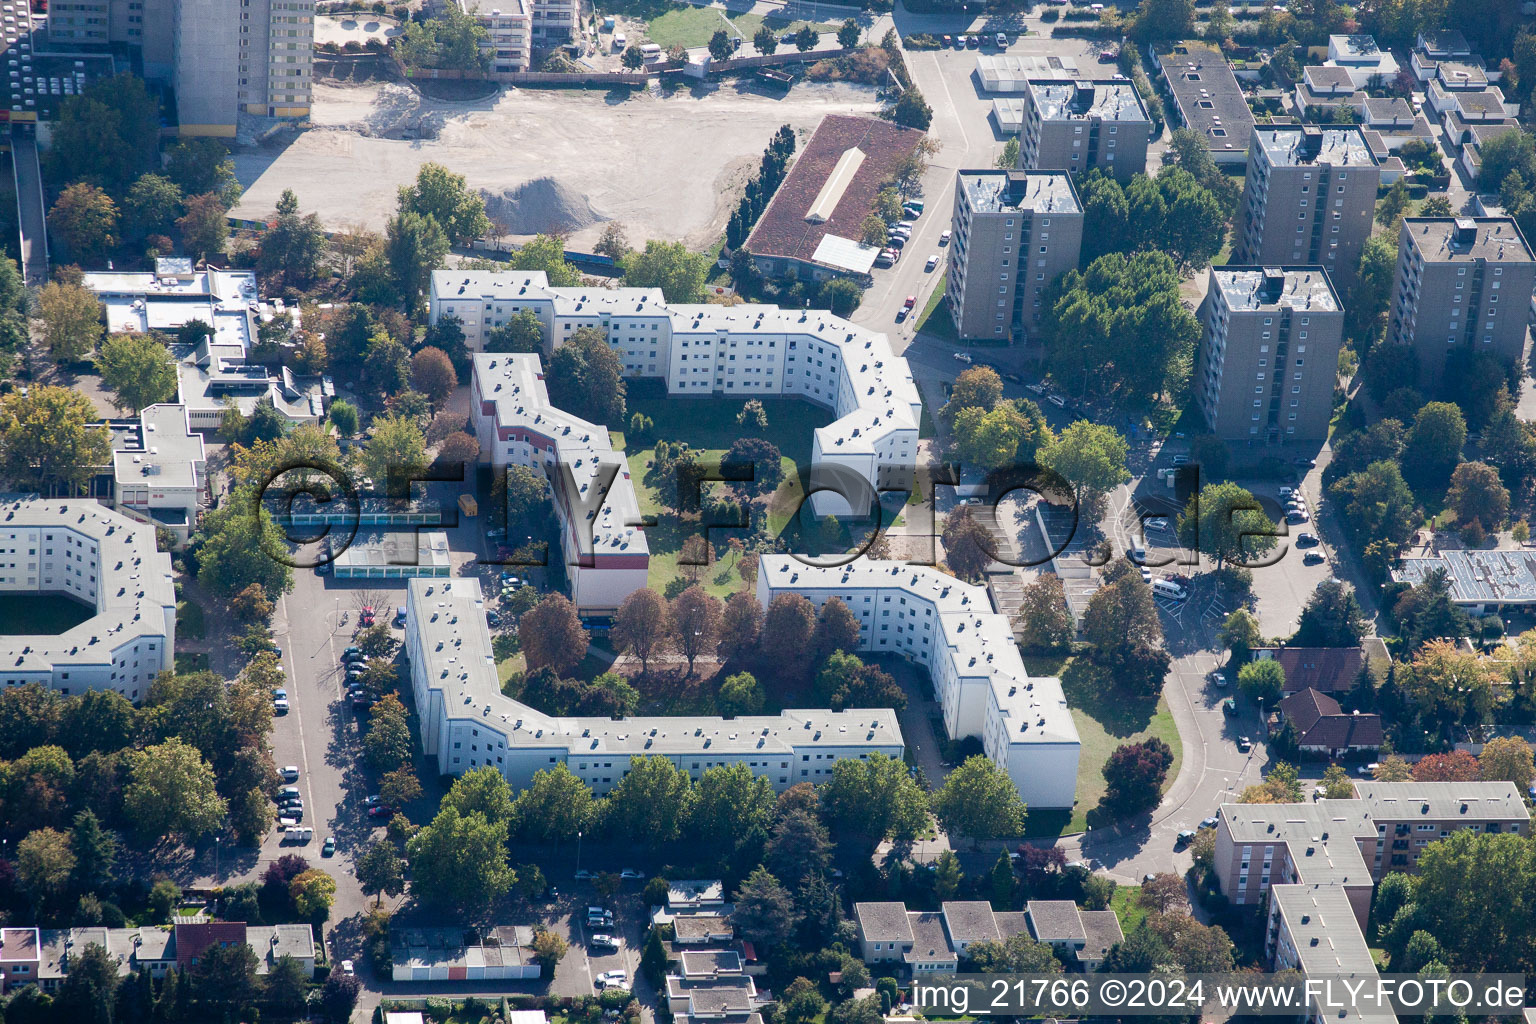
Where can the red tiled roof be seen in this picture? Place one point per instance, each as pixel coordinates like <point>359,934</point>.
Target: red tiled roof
<point>1326,669</point>
<point>783,230</point>
<point>1320,722</point>
<point>193,939</point>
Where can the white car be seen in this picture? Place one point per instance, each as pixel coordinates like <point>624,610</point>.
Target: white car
<point>280,706</point>
<point>617,979</point>
<point>933,261</point>
<point>1159,523</point>
<point>945,237</point>
<point>290,773</point>
<point>348,969</point>
<point>603,939</point>
<point>963,357</point>
<point>631,873</point>
<point>583,873</point>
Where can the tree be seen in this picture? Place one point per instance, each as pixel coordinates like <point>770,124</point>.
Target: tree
<point>89,989</point>
<point>395,453</point>
<point>848,34</point>
<point>731,808</point>
<point>387,744</point>
<point>586,376</point>
<point>1262,680</point>
<point>44,864</point>
<point>552,635</point>
<point>1044,619</point>
<point>1227,523</point>
<point>1426,610</point>
<point>84,218</point>
<point>432,374</point>
<point>339,996</point>
<point>460,861</point>
<point>740,623</point>
<point>1336,783</point>
<point>71,319</point>
<point>1433,445</point>
<point>235,544</point>
<point>651,803</point>
<point>548,949</point>
<point>204,226</point>
<point>1392,768</point>
<point>787,628</point>
<point>1163,892</point>
<point>1165,19</point>
<point>765,911</point>
<point>138,369</point>
<point>292,248</point>
<point>968,547</point>
<point>1512,151</point>
<point>379,870</point>
<point>440,194</point>
<point>634,58</point>
<point>720,45</point>
<point>1476,493</point>
<point>989,440</point>
<point>521,333</point>
<point>49,437</point>
<point>679,274</point>
<point>836,630</point>
<point>203,165</point>
<point>555,806</point>
<point>1008,159</point>
<point>910,109</point>
<point>312,893</point>
<point>643,625</point>
<point>1507,759</point>
<point>979,800</point>
<point>1239,634</point>
<point>757,462</point>
<point>976,387</point>
<point>842,295</point>
<point>414,246</point>
<point>765,40</point>
<point>1017,954</point>
<point>1089,456</point>
<point>1390,211</point>
<point>547,253</point>
<point>1377,504</point>
<point>614,241</point>
<point>95,851</point>
<point>874,799</point>
<point>1134,776</point>
<point>807,38</point>
<point>172,792</point>
<point>1455,766</point>
<point>1121,614</point>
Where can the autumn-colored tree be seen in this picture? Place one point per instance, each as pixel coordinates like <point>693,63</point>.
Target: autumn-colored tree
<point>696,622</point>
<point>433,375</point>
<point>740,624</point>
<point>1455,766</point>
<point>552,636</point>
<point>787,628</point>
<point>643,625</point>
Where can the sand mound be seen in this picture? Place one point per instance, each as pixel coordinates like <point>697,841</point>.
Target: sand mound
<point>540,206</point>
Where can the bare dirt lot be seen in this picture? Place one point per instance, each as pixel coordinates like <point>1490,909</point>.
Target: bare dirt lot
<point>667,167</point>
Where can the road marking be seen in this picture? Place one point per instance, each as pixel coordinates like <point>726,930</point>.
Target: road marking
<point>293,707</point>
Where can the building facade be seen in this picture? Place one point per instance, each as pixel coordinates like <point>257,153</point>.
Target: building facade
<point>1310,198</point>
<point>745,351</point>
<point>467,722</point>
<point>103,560</point>
<point>1079,124</point>
<point>601,536</point>
<point>1269,353</point>
<point>949,628</point>
<point>260,62</point>
<point>1463,284</point>
<point>508,27</point>
<point>1013,234</point>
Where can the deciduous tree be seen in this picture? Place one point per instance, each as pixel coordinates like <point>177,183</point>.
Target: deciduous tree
<point>71,319</point>
<point>138,369</point>
<point>49,437</point>
<point>552,635</point>
<point>979,800</point>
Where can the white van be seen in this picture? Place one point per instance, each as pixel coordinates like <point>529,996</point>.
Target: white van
<point>1169,589</point>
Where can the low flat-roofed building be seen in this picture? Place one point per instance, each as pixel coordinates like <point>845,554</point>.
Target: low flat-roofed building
<point>1324,88</point>
<point>394,555</point>
<point>160,469</point>
<point>104,560</point>
<point>695,894</point>
<point>1012,72</point>
<point>701,929</point>
<point>829,190</point>
<point>467,722</point>
<point>1487,104</point>
<point>1362,58</point>
<point>500,953</point>
<point>949,628</point>
<point>1208,97</point>
<point>1432,47</point>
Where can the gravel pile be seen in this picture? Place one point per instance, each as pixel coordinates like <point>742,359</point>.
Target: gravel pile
<point>540,206</point>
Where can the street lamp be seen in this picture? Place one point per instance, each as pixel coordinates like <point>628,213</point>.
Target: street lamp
<point>578,852</point>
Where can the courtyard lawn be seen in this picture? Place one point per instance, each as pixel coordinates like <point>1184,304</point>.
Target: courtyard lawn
<point>709,427</point>
<point>748,24</point>
<point>191,661</point>
<point>34,614</point>
<point>1105,720</point>
<point>1124,903</point>
<point>189,619</point>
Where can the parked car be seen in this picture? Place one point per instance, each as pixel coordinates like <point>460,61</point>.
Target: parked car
<point>1367,769</point>
<point>328,848</point>
<point>1313,558</point>
<point>933,261</point>
<point>1306,540</point>
<point>972,42</point>
<point>1297,516</point>
<point>1002,41</point>
<point>612,979</point>
<point>1210,822</point>
<point>1229,707</point>
<point>901,315</point>
<point>884,261</point>
<point>947,42</point>
<point>381,811</point>
<point>290,773</point>
<point>602,940</point>
<point>1180,460</point>
<point>352,654</point>
<point>1156,523</point>
<point>400,617</point>
<point>631,873</point>
<point>1185,837</point>
<point>1305,462</point>
<point>1244,744</point>
<point>348,968</point>
<point>280,707</point>
<point>1285,493</point>
<point>582,874</point>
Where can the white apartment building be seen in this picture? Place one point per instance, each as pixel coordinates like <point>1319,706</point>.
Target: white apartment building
<point>467,722</point>
<point>745,351</point>
<point>509,31</point>
<point>606,554</point>
<point>1364,60</point>
<point>949,628</point>
<point>160,470</point>
<point>102,559</point>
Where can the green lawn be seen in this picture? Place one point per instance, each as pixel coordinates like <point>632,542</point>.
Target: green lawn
<point>189,662</point>
<point>935,319</point>
<point>748,24</point>
<point>1105,720</point>
<point>684,26</point>
<point>1124,904</point>
<point>189,619</point>
<point>709,427</point>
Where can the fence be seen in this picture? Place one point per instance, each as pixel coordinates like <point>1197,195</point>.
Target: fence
<point>638,79</point>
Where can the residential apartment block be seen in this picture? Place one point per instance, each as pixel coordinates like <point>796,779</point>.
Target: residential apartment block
<point>743,351</point>
<point>1310,198</point>
<point>1350,844</point>
<point>1209,99</point>
<point>103,560</point>
<point>158,950</point>
<point>1462,283</point>
<point>1014,232</point>
<point>1269,353</point>
<point>605,550</point>
<point>949,628</point>
<point>508,27</point>
<point>467,722</point>
<point>1313,929</point>
<point>1079,124</point>
<point>260,62</point>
